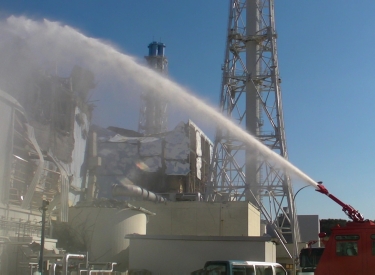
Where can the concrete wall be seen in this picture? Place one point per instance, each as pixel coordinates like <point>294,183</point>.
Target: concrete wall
<point>171,255</point>
<point>202,218</point>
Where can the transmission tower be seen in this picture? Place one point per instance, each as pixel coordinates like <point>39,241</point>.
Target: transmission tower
<point>153,110</point>
<point>251,97</point>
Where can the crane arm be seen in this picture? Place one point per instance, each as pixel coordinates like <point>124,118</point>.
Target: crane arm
<point>352,213</point>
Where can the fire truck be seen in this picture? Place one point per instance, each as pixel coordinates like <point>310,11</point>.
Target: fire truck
<point>349,250</point>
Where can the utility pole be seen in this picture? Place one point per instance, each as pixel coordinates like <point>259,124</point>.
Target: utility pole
<point>44,208</point>
<point>251,97</point>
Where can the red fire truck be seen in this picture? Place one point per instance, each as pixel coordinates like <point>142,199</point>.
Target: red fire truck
<point>349,250</point>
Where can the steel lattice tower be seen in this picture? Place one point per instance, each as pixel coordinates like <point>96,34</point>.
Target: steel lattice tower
<point>251,97</point>
<point>153,110</point>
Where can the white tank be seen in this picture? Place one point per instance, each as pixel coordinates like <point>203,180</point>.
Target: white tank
<point>102,231</point>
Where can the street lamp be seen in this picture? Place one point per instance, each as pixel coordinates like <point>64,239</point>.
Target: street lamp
<point>296,259</point>
<point>43,209</point>
<point>294,197</point>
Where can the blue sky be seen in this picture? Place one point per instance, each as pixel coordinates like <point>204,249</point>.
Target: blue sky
<point>326,62</point>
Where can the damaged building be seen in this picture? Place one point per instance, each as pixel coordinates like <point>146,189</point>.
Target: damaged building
<point>49,153</point>
<point>174,164</point>
<point>42,148</point>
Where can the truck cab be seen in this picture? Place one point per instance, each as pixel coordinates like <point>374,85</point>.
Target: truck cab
<point>349,250</point>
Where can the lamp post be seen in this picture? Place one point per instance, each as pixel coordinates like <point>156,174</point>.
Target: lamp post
<point>296,259</point>
<point>43,209</point>
<point>294,197</point>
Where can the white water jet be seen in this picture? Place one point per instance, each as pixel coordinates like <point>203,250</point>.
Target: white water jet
<point>52,43</point>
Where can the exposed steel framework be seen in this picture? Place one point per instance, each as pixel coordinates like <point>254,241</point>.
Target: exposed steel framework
<point>251,97</point>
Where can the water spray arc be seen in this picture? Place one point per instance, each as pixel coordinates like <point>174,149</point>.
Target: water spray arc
<point>251,97</point>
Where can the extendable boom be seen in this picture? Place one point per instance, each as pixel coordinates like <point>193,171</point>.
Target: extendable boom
<point>352,213</point>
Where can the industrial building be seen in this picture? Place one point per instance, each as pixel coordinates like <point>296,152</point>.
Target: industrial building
<point>45,163</point>
<point>55,157</point>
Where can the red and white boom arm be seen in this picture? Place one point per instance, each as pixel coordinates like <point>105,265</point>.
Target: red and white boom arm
<point>353,214</point>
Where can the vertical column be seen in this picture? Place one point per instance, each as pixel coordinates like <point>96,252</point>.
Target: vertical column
<point>252,100</point>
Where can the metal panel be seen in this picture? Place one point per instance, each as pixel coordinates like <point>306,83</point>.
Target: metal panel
<point>175,167</point>
<point>64,206</point>
<point>199,154</point>
<point>30,192</point>
<point>6,125</point>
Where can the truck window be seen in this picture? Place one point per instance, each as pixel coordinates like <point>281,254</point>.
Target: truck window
<point>346,248</point>
<point>309,258</point>
<point>239,270</point>
<point>373,244</point>
<point>243,270</point>
<point>280,271</point>
<point>264,270</point>
<point>216,269</point>
<point>347,245</point>
<point>250,270</point>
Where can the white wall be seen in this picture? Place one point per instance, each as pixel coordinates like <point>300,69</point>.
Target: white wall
<point>171,255</point>
<point>202,218</point>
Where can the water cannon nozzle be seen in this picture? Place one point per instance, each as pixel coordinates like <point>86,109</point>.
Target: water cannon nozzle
<point>321,188</point>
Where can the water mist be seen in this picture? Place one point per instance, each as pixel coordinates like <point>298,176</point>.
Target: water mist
<point>50,43</point>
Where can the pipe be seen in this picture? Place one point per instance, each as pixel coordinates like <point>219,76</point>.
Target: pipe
<point>93,163</point>
<point>66,260</point>
<point>52,269</point>
<point>112,264</point>
<point>105,270</point>
<point>32,267</point>
<point>6,240</point>
<point>80,270</point>
<point>135,191</point>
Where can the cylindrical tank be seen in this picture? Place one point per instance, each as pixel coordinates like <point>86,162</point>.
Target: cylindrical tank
<point>102,230</point>
<point>152,48</point>
<point>161,47</point>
